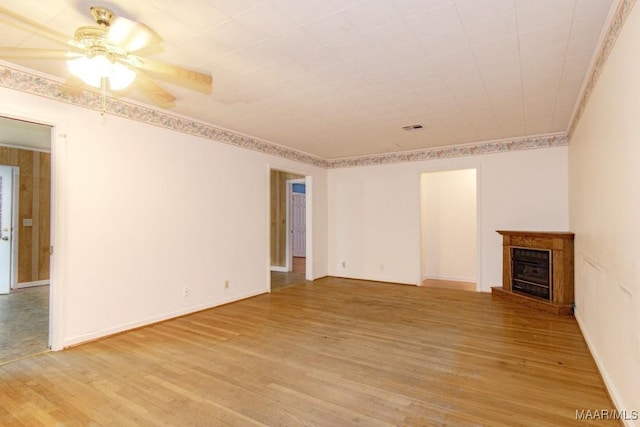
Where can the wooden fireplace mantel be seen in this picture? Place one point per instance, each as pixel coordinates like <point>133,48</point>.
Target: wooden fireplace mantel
<point>561,246</point>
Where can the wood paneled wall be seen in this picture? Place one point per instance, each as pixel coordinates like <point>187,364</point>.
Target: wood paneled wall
<point>279,216</point>
<point>35,203</point>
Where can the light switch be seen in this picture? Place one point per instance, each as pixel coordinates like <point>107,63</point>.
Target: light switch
<point>27,222</point>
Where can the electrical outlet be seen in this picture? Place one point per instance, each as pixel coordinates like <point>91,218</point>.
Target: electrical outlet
<point>381,267</point>
<point>185,292</point>
<point>226,284</point>
<point>344,264</point>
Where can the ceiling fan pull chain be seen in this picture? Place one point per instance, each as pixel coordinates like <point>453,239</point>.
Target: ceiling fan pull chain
<point>103,87</point>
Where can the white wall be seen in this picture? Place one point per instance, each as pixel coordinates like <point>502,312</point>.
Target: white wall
<point>142,213</point>
<point>448,232</point>
<point>604,165</point>
<point>374,211</point>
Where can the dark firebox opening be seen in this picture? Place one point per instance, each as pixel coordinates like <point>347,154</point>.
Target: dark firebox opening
<point>531,272</point>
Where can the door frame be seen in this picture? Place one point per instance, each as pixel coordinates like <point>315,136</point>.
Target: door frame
<point>15,230</point>
<point>56,274</point>
<point>13,189</point>
<point>289,243</point>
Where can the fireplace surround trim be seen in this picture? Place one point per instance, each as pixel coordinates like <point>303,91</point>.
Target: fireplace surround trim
<point>560,245</point>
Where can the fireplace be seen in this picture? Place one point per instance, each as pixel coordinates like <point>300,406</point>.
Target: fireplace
<point>537,270</point>
<point>531,272</point>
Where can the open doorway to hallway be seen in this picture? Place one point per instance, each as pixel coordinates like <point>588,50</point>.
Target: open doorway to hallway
<point>449,234</point>
<point>25,217</point>
<point>288,233</point>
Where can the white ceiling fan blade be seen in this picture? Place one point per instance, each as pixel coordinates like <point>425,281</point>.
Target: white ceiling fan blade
<point>27,24</point>
<point>132,36</point>
<point>173,74</point>
<point>29,53</point>
<point>154,92</point>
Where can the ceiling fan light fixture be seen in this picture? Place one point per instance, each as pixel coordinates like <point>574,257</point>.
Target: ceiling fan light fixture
<point>84,68</point>
<point>93,70</point>
<point>100,66</point>
<point>121,76</point>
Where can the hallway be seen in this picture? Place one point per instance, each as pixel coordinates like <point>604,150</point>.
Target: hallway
<point>24,323</point>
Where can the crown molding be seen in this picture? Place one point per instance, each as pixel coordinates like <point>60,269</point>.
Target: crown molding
<point>609,40</point>
<point>475,149</point>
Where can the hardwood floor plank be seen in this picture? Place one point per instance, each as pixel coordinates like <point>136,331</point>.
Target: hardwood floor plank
<point>330,352</point>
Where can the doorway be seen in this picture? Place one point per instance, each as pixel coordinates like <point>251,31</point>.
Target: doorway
<point>289,255</point>
<point>7,242</point>
<point>25,217</point>
<point>449,229</point>
<point>297,225</point>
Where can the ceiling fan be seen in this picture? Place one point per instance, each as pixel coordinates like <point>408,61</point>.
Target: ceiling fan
<point>109,55</point>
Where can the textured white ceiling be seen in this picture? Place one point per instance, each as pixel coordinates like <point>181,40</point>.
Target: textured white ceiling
<point>339,78</point>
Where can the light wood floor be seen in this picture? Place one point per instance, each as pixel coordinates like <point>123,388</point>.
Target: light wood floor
<point>333,352</point>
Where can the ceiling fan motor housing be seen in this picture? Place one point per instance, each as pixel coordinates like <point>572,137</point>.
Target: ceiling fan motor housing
<point>102,15</point>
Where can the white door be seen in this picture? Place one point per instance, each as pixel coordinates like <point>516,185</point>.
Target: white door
<point>299,224</point>
<point>6,188</point>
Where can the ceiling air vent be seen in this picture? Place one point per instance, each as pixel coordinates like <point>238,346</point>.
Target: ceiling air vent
<point>412,127</point>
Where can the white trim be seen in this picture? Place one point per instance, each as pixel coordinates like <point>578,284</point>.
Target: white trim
<point>611,388</point>
<point>288,262</point>
<point>15,229</point>
<point>72,341</point>
<point>479,229</point>
<point>31,284</point>
<point>267,228</point>
<point>57,239</point>
<point>450,278</point>
<point>308,209</point>
<point>280,269</point>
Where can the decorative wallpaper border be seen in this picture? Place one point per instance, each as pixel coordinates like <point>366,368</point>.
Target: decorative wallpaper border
<point>620,16</point>
<point>490,147</point>
<point>41,86</point>
<point>37,85</point>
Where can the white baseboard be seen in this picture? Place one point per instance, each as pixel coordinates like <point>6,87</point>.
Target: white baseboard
<point>452,278</point>
<point>31,284</point>
<point>92,336</point>
<point>279,269</point>
<point>611,388</point>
